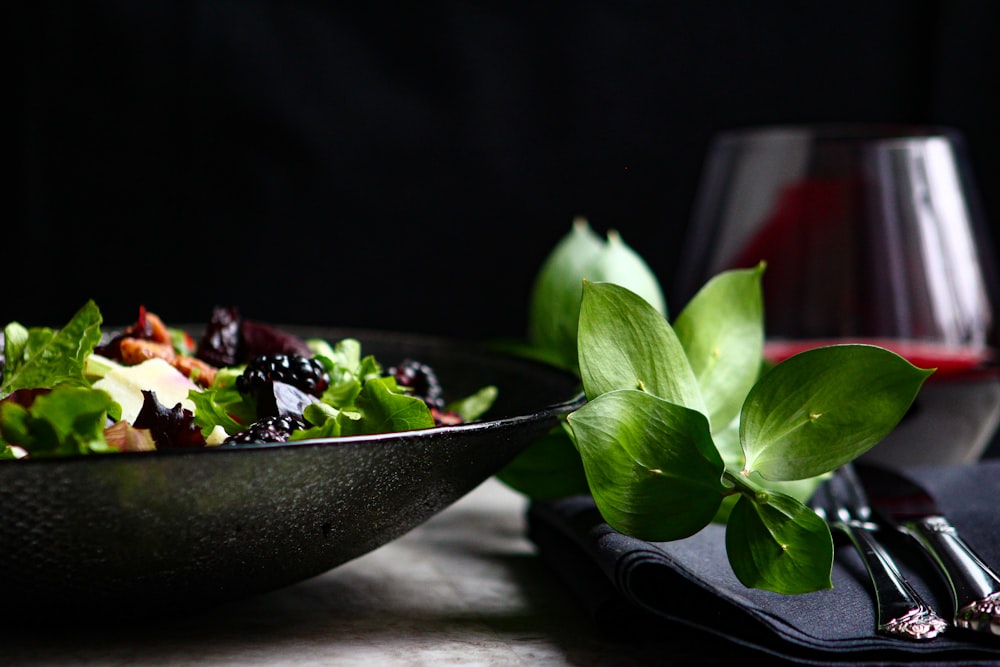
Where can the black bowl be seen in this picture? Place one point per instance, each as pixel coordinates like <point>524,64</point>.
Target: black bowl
<point>151,532</point>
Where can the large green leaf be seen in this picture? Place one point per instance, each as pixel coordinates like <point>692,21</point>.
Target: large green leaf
<point>779,545</point>
<point>554,306</point>
<point>722,331</point>
<point>626,344</point>
<point>651,465</point>
<point>824,407</point>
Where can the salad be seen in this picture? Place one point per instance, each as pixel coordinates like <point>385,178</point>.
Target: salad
<point>81,390</point>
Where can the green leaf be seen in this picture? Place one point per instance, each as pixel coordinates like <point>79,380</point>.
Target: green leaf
<point>651,465</point>
<point>824,407</point>
<point>344,363</point>
<point>66,421</point>
<point>324,418</point>
<point>215,407</point>
<point>618,263</point>
<point>722,331</point>
<point>343,393</point>
<point>779,545</point>
<point>626,344</point>
<point>385,411</point>
<point>343,358</point>
<point>370,368</point>
<point>43,358</point>
<point>554,306</point>
<point>549,468</point>
<point>475,405</point>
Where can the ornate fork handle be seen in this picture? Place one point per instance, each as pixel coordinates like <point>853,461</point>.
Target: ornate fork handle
<point>975,588</point>
<point>901,611</point>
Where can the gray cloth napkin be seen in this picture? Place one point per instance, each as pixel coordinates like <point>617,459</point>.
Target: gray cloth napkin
<point>630,586</point>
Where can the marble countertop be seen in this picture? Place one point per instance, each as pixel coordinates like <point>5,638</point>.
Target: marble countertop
<point>464,588</point>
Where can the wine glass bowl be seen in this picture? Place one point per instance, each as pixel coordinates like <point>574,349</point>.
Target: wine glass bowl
<point>870,234</point>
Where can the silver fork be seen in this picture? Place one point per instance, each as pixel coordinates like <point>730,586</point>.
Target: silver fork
<point>901,610</point>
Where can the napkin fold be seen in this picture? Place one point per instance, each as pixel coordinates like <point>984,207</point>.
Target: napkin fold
<point>631,586</point>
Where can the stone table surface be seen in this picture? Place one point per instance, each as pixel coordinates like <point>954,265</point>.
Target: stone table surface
<point>464,588</point>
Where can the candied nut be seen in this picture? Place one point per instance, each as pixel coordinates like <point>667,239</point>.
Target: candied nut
<point>135,351</point>
<point>158,330</point>
<point>198,371</point>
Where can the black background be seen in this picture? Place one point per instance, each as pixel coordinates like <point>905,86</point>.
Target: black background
<point>408,166</point>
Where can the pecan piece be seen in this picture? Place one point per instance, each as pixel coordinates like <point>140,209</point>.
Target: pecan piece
<point>198,371</point>
<point>135,351</point>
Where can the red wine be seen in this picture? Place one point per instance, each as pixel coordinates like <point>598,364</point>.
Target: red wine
<point>949,360</point>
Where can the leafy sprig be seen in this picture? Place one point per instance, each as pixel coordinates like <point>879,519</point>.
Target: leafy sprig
<point>685,424</point>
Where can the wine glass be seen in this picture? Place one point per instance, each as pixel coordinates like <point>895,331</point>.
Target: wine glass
<point>870,233</point>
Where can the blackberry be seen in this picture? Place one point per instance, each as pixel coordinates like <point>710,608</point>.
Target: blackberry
<point>268,429</point>
<point>421,379</point>
<point>306,373</point>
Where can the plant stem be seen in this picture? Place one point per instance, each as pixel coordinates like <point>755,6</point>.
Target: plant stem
<point>743,484</point>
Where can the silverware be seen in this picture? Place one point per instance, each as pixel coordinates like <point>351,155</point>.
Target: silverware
<point>901,612</point>
<point>974,586</point>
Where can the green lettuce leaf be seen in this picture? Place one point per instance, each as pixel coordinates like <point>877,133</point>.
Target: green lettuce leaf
<point>44,358</point>
<point>383,410</point>
<point>474,405</point>
<point>65,421</point>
